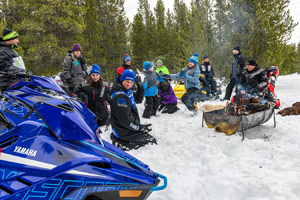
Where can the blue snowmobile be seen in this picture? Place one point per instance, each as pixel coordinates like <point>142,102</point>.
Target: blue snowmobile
<point>50,149</point>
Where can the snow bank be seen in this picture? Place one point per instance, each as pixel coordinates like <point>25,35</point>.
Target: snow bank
<point>201,164</point>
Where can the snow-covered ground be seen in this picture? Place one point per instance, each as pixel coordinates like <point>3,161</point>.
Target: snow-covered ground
<point>201,164</point>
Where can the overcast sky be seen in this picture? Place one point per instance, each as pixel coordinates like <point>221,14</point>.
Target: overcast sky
<point>131,7</point>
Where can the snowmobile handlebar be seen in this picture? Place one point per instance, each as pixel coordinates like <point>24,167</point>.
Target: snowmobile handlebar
<point>20,75</point>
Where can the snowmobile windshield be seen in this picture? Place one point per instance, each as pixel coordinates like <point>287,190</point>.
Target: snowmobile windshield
<point>65,122</point>
<point>47,82</point>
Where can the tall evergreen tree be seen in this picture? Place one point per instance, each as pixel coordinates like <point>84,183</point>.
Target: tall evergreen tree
<point>196,19</point>
<point>223,46</point>
<point>138,40</point>
<point>112,35</point>
<point>271,28</point>
<point>93,32</point>
<point>150,27</point>
<point>183,28</point>
<point>160,45</point>
<point>47,30</point>
<point>172,35</point>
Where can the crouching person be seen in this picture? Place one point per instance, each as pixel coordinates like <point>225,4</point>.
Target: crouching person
<point>167,98</point>
<point>128,132</point>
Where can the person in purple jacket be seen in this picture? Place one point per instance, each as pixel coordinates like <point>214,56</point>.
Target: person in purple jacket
<point>167,98</point>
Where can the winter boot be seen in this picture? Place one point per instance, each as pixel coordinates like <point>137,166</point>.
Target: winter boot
<point>129,145</point>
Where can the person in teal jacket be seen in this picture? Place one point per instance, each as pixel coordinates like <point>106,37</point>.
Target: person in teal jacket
<point>150,86</point>
<point>161,69</point>
<point>191,74</point>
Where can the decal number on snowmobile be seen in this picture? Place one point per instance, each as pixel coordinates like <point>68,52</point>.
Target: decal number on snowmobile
<point>23,150</point>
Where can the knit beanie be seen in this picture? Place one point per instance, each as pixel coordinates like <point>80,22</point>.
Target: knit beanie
<point>205,56</point>
<point>8,34</point>
<point>76,47</point>
<point>127,58</point>
<point>159,61</point>
<point>238,48</point>
<point>251,62</point>
<point>147,65</point>
<point>194,59</point>
<point>95,69</point>
<point>128,74</point>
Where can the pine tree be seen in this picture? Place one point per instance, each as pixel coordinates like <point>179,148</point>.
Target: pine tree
<point>197,21</point>
<point>2,25</point>
<point>171,57</point>
<point>150,27</point>
<point>182,27</point>
<point>223,46</point>
<point>138,40</point>
<point>93,33</point>
<point>112,36</point>
<point>160,45</point>
<point>272,27</point>
<point>47,30</point>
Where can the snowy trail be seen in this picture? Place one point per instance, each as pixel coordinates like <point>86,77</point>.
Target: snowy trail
<point>201,164</point>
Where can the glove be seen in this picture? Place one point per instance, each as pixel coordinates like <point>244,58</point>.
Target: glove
<point>85,74</point>
<point>166,77</point>
<point>204,81</point>
<point>182,73</point>
<point>145,128</point>
<point>138,79</point>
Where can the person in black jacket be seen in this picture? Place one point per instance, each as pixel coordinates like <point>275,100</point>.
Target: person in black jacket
<point>238,65</point>
<point>254,80</point>
<point>95,95</point>
<point>138,88</point>
<point>207,69</point>
<point>128,132</point>
<point>74,69</point>
<point>10,60</point>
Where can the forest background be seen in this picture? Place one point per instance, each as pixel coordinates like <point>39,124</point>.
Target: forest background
<point>48,28</point>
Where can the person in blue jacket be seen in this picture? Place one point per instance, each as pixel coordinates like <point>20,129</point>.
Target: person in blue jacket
<point>150,86</point>
<point>191,74</point>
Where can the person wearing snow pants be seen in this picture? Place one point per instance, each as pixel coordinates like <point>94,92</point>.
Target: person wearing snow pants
<point>238,65</point>
<point>128,133</point>
<point>191,74</point>
<point>207,69</point>
<point>151,106</point>
<point>191,96</point>
<point>149,83</point>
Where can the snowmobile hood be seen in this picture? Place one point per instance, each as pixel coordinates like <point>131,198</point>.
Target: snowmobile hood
<point>43,82</point>
<point>52,147</point>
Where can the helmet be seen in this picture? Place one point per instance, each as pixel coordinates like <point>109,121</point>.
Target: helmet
<point>58,80</point>
<point>273,71</point>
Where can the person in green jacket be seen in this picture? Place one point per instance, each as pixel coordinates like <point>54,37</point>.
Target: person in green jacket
<point>11,61</point>
<point>161,69</point>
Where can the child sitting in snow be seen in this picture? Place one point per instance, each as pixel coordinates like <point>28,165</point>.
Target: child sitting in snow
<point>167,98</point>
